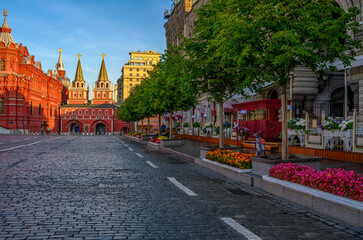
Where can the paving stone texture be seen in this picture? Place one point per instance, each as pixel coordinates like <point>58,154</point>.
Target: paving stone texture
<point>94,187</point>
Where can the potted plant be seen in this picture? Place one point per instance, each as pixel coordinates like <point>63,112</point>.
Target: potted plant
<point>186,128</point>
<point>227,129</point>
<point>196,126</point>
<point>242,133</point>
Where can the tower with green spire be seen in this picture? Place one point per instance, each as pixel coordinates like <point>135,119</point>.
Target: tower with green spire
<point>102,88</point>
<point>78,90</point>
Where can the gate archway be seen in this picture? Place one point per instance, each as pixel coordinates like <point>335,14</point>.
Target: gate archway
<point>74,128</point>
<point>100,129</point>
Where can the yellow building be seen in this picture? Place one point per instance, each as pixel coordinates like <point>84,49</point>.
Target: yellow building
<point>135,70</point>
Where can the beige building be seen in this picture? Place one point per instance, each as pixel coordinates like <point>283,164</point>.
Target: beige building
<point>135,71</point>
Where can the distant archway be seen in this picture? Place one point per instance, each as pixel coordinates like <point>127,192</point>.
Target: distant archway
<point>100,129</point>
<point>74,128</point>
<point>337,102</point>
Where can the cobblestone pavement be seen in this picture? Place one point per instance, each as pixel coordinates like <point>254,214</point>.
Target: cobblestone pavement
<point>100,187</point>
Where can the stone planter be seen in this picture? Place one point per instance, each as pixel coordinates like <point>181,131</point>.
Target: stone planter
<point>196,131</point>
<point>205,149</point>
<point>261,166</point>
<point>186,130</point>
<point>146,137</point>
<point>171,142</point>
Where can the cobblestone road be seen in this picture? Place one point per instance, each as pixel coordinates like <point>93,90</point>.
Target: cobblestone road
<point>100,187</point>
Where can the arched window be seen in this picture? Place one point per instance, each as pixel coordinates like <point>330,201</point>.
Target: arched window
<point>40,109</point>
<point>107,85</point>
<point>51,111</point>
<point>2,106</point>
<point>102,85</point>
<point>2,65</point>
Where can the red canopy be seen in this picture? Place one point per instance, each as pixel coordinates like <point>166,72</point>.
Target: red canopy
<point>260,104</point>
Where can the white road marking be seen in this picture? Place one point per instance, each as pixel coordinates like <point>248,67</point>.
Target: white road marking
<point>182,187</point>
<point>151,164</point>
<point>138,154</point>
<point>131,149</point>
<point>126,145</point>
<point>20,146</point>
<point>242,230</point>
<point>26,138</point>
<point>15,141</point>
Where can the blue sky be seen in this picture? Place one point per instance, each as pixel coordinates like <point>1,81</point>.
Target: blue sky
<point>88,27</point>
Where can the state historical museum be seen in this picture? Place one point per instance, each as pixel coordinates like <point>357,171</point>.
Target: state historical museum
<point>31,100</point>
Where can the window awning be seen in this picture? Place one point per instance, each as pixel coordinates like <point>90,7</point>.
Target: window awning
<point>260,104</point>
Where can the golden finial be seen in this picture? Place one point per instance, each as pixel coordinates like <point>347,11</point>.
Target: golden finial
<point>103,56</point>
<point>60,50</point>
<point>5,13</point>
<point>79,56</point>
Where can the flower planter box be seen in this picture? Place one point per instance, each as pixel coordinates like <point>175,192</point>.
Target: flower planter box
<point>146,137</point>
<point>227,171</point>
<point>205,149</point>
<point>261,166</point>
<point>171,142</point>
<point>345,209</point>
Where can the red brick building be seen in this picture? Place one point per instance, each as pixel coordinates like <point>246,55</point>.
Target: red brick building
<point>28,97</point>
<point>96,116</point>
<point>31,99</point>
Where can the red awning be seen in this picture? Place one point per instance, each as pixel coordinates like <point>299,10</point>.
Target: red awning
<point>260,104</point>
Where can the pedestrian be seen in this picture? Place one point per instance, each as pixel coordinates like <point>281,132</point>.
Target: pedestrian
<point>41,130</point>
<point>48,130</point>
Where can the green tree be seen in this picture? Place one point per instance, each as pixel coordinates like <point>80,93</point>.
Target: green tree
<point>270,38</point>
<point>174,89</point>
<point>209,69</point>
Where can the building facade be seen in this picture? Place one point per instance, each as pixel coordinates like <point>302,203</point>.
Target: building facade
<point>29,98</point>
<point>310,93</point>
<point>135,70</point>
<point>96,116</point>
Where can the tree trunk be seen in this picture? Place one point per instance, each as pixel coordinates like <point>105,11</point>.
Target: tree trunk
<point>159,134</point>
<point>148,125</point>
<point>284,149</point>
<point>171,125</point>
<point>142,126</point>
<point>221,136</point>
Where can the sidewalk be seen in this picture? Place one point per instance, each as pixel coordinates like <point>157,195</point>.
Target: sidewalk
<point>191,148</point>
<point>341,208</point>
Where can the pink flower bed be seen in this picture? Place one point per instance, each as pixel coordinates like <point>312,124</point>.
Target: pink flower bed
<point>337,181</point>
<point>155,140</point>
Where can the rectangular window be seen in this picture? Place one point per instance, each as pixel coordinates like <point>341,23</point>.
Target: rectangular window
<point>130,84</point>
<point>130,74</point>
<point>144,69</point>
<point>131,69</point>
<point>151,63</point>
<point>137,75</point>
<point>2,106</point>
<point>130,79</point>
<point>144,75</point>
<point>137,69</point>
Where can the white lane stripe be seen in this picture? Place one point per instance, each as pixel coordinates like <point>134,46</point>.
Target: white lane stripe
<point>138,154</point>
<point>26,138</point>
<point>20,146</point>
<point>242,230</point>
<point>131,149</point>
<point>182,187</point>
<point>151,164</point>
<point>15,141</point>
<point>126,145</point>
